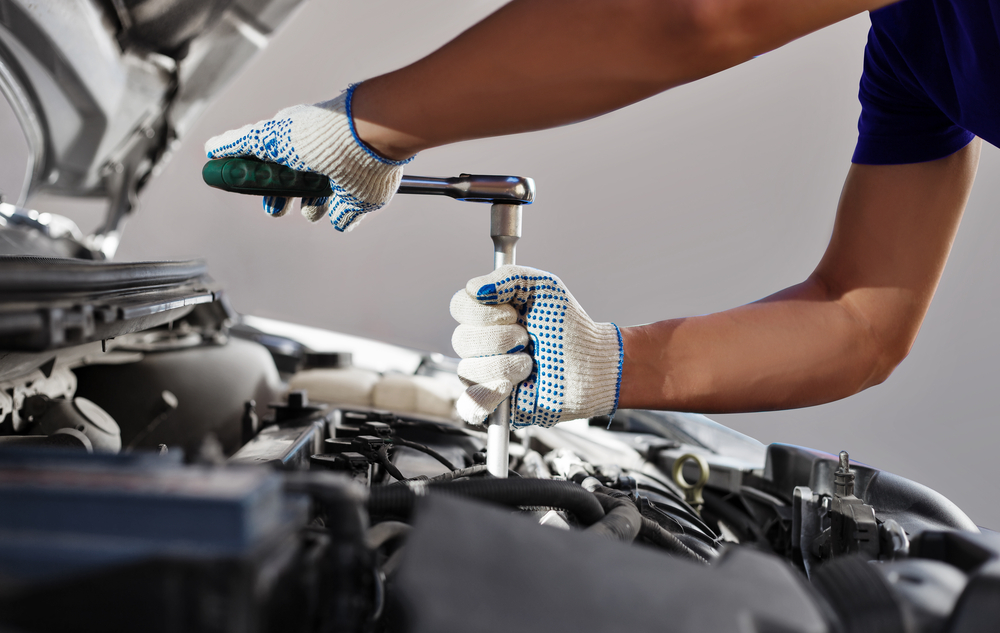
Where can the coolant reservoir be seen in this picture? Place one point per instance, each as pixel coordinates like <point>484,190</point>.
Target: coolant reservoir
<point>80,416</point>
<point>416,394</point>
<point>332,378</point>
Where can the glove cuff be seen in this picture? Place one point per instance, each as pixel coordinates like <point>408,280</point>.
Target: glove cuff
<point>325,133</point>
<point>348,99</point>
<point>601,348</point>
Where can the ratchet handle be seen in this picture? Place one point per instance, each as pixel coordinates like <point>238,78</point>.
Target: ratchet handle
<point>249,175</point>
<point>253,176</point>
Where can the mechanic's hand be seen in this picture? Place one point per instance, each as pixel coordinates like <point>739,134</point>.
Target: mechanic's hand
<point>522,324</point>
<point>319,138</point>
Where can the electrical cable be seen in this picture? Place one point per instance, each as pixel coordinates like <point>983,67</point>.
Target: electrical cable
<point>733,517</point>
<point>383,458</point>
<point>398,501</point>
<point>458,473</point>
<point>655,534</point>
<point>424,449</point>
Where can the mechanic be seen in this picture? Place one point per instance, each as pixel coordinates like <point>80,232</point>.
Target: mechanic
<point>931,83</point>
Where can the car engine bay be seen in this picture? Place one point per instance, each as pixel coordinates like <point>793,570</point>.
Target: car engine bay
<point>168,464</point>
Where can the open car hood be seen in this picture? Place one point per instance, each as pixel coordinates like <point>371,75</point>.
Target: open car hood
<point>104,88</point>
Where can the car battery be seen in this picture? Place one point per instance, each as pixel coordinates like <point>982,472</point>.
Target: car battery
<point>116,542</point>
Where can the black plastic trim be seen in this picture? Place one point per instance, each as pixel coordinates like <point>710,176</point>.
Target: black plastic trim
<point>37,275</point>
<point>48,303</point>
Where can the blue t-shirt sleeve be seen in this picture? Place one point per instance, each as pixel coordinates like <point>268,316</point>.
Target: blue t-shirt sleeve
<point>899,124</point>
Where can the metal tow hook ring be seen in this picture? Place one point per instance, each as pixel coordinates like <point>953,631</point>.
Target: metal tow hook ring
<point>692,492</point>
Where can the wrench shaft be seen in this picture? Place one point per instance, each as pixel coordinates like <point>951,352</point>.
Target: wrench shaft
<point>505,229</point>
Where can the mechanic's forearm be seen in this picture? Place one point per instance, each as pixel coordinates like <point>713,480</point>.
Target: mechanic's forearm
<point>799,347</point>
<point>842,330</point>
<point>536,64</point>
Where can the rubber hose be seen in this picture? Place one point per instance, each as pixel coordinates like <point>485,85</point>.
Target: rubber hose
<point>685,545</point>
<point>622,520</point>
<point>860,595</point>
<point>652,531</point>
<point>597,486</point>
<point>381,533</point>
<point>700,547</point>
<point>398,501</point>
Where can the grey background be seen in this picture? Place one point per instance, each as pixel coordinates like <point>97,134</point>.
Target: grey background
<point>706,197</point>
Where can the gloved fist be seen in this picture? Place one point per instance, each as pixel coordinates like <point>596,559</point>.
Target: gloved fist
<point>520,329</point>
<point>319,138</point>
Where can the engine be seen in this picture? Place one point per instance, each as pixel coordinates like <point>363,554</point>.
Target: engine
<point>219,473</point>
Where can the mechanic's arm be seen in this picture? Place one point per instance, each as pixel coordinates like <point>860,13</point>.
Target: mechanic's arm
<point>537,64</point>
<point>842,330</point>
<point>531,65</point>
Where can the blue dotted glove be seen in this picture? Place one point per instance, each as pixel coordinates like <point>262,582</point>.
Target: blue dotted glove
<point>521,330</point>
<point>319,138</point>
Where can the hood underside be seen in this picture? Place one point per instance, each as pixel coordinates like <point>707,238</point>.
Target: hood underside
<point>103,89</point>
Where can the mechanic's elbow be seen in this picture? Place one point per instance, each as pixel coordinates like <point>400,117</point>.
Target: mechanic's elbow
<point>723,29</point>
<point>709,18</point>
<point>707,34</point>
<point>890,352</point>
<point>876,340</point>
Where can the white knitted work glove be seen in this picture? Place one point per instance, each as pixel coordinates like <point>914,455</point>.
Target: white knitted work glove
<point>521,324</point>
<point>319,138</point>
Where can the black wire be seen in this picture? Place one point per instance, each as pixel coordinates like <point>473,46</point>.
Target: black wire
<point>397,501</point>
<point>383,458</point>
<point>669,493</point>
<point>733,517</point>
<point>443,428</point>
<point>425,449</point>
<point>463,472</point>
<point>459,473</point>
<point>655,534</point>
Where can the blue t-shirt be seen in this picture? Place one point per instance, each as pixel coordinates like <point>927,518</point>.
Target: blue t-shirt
<point>931,80</point>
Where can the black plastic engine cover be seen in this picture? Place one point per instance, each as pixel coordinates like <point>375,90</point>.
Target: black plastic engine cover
<point>211,384</point>
<point>471,567</point>
<point>915,506</point>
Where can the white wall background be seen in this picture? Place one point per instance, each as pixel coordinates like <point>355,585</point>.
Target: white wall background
<point>706,197</point>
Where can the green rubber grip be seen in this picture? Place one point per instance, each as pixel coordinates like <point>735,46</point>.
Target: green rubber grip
<point>256,177</point>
